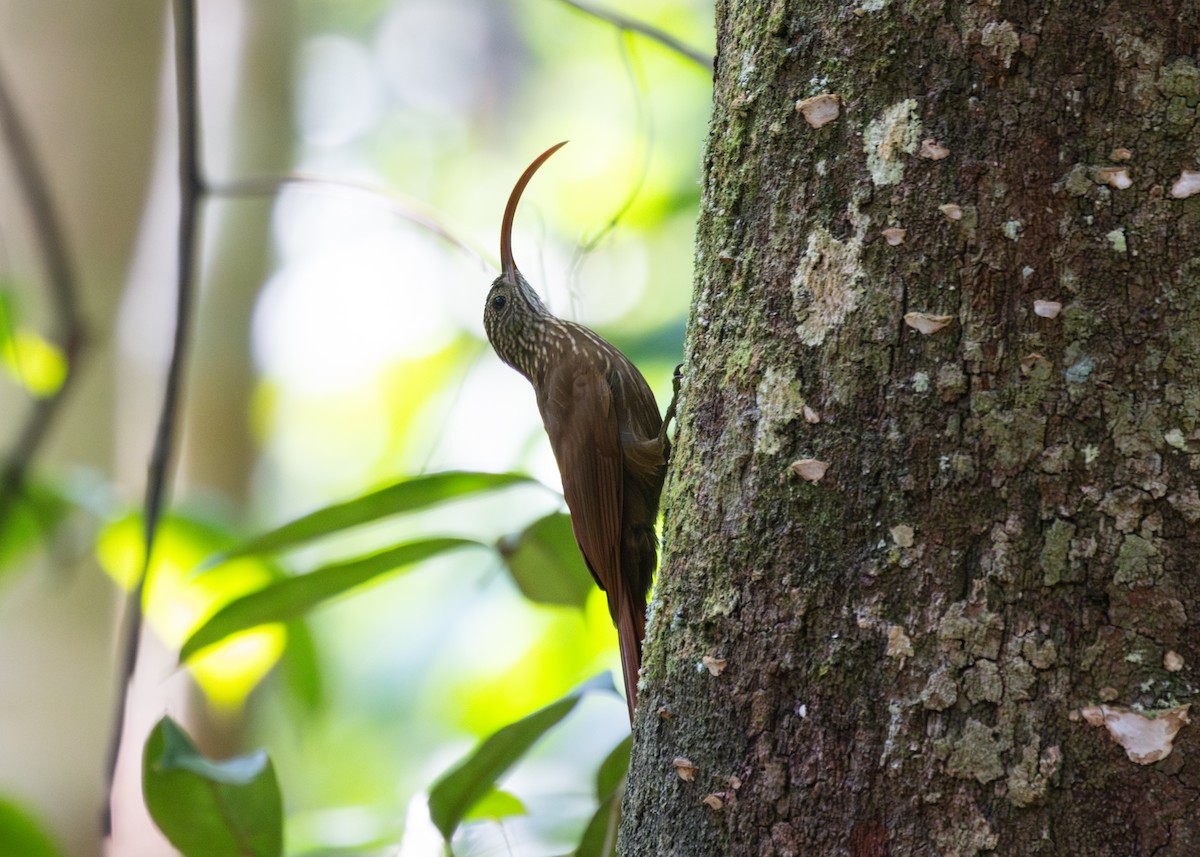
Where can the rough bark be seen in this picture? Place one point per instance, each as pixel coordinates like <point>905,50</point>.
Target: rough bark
<point>903,657</point>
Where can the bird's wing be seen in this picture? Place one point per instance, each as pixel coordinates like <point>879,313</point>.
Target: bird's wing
<point>580,416</point>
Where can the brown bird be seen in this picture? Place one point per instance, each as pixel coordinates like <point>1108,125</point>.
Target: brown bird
<point>609,441</point>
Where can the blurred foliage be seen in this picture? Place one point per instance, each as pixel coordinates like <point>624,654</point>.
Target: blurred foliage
<point>177,602</point>
<point>21,835</point>
<point>32,361</point>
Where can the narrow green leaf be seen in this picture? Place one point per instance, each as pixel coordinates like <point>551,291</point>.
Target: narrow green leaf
<point>545,562</point>
<point>495,805</point>
<point>613,769</point>
<point>453,796</point>
<point>293,596</point>
<point>211,809</point>
<point>21,834</point>
<point>302,668</point>
<point>600,837</point>
<point>410,495</point>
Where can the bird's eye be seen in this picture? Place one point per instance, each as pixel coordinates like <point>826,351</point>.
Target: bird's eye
<point>498,302</point>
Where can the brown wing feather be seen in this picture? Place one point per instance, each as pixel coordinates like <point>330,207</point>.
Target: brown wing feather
<point>582,424</point>
<point>581,418</point>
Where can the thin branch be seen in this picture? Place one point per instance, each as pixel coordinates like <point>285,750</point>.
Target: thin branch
<point>644,126</point>
<point>402,207</point>
<point>191,196</point>
<point>624,22</point>
<point>51,244</point>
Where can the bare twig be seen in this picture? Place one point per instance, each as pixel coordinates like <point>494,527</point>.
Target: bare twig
<point>624,22</point>
<point>191,196</point>
<point>644,125</point>
<point>402,207</point>
<point>60,278</point>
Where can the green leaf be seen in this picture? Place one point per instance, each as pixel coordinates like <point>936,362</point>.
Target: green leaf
<point>495,805</point>
<point>211,809</point>
<point>409,495</point>
<point>458,790</point>
<point>302,668</point>
<point>600,837</point>
<point>293,596</point>
<point>613,769</point>
<point>545,562</point>
<point>21,834</point>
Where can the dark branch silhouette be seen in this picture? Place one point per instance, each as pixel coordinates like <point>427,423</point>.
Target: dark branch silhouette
<point>59,272</point>
<point>191,197</point>
<point>624,22</point>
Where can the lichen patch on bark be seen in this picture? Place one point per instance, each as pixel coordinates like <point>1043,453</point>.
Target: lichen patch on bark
<point>897,132</point>
<point>826,286</point>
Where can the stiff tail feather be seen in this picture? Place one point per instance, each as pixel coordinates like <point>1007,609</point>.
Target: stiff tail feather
<point>631,628</point>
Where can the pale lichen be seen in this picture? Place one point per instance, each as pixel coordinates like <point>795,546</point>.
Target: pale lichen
<point>1029,779</point>
<point>780,403</point>
<point>895,133</point>
<point>981,683</point>
<point>827,284</point>
<point>1002,40</point>
<point>1138,562</point>
<point>976,754</point>
<point>940,690</point>
<point>1055,547</point>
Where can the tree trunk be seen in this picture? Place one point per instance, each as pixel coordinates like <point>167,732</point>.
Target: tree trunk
<point>975,296</point>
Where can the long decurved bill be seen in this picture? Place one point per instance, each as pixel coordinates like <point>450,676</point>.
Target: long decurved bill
<point>507,266</point>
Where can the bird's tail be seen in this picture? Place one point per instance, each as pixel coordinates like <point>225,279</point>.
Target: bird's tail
<point>631,629</point>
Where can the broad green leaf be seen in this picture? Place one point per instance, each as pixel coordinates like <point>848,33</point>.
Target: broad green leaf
<point>545,562</point>
<point>453,796</point>
<point>211,809</point>
<point>409,495</point>
<point>495,805</point>
<point>20,834</point>
<point>293,596</point>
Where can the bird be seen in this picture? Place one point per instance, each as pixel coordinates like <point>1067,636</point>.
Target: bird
<point>605,430</point>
